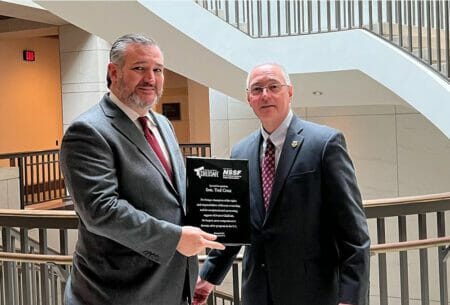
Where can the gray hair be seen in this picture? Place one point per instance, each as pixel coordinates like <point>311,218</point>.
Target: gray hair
<point>285,75</point>
<point>117,53</point>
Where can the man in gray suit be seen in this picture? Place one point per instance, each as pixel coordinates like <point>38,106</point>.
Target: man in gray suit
<point>310,242</point>
<point>125,172</point>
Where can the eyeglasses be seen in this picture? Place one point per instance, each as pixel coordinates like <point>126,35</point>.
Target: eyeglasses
<point>273,88</point>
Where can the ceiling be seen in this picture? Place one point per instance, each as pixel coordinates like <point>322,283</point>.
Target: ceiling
<point>27,10</point>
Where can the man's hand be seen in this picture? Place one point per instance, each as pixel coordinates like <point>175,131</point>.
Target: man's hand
<point>201,292</point>
<point>193,241</point>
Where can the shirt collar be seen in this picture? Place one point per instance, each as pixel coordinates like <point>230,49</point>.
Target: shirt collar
<point>278,135</point>
<point>130,113</point>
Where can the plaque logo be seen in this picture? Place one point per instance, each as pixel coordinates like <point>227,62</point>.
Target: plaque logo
<point>229,173</point>
<point>203,172</point>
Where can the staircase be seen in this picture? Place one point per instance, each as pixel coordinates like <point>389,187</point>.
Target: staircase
<point>419,27</point>
<point>345,58</point>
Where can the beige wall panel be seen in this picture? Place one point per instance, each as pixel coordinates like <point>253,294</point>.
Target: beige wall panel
<point>30,107</point>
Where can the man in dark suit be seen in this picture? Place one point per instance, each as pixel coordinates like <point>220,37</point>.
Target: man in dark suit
<point>125,172</point>
<point>310,242</point>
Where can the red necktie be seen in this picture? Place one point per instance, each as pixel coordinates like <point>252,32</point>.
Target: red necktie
<point>151,139</point>
<point>268,172</point>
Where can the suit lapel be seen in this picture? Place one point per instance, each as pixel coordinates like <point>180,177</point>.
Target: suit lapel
<point>291,148</point>
<point>255,179</point>
<point>126,127</point>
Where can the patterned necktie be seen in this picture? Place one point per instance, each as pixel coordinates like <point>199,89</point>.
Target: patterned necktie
<point>268,172</point>
<point>151,139</point>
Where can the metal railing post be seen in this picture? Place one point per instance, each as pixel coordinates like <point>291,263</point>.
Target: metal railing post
<point>429,46</point>
<point>447,38</point>
<point>404,289</point>
<point>382,265</point>
<point>399,23</point>
<point>443,291</point>
<point>380,17</point>
<point>438,36</point>
<point>43,249</point>
<point>26,270</point>
<point>410,40</point>
<point>419,28</point>
<point>22,177</point>
<point>7,266</point>
<point>423,256</point>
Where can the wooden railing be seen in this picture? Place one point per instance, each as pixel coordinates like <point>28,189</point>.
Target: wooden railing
<point>196,150</point>
<point>41,179</point>
<point>31,275</point>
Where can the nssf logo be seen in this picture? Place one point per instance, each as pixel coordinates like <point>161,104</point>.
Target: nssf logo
<point>229,173</point>
<point>203,172</point>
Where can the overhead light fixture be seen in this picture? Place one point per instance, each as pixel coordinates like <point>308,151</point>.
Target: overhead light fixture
<point>317,93</point>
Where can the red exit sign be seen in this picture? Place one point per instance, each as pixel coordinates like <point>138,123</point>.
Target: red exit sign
<point>29,55</point>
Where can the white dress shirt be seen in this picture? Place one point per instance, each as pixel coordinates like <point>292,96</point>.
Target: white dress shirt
<point>133,116</point>
<point>277,137</point>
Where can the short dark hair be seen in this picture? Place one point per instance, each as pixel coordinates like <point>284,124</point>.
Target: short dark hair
<point>117,53</point>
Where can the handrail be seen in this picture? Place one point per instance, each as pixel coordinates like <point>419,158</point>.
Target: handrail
<point>374,249</point>
<point>418,29</point>
<point>61,219</point>
<point>36,258</point>
<point>49,219</point>
<point>408,205</point>
<point>406,200</point>
<point>26,153</point>
<point>410,245</point>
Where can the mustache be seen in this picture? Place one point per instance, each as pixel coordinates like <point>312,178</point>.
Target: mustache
<point>147,84</point>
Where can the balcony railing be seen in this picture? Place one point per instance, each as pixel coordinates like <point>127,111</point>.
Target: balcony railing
<point>419,27</point>
<point>394,256</point>
<point>31,275</point>
<point>41,179</point>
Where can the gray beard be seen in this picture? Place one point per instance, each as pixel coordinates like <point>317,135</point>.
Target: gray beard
<point>135,100</point>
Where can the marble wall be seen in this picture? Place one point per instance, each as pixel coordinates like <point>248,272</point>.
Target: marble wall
<point>9,188</point>
<point>84,60</point>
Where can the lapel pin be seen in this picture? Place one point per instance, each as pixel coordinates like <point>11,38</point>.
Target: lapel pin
<point>294,144</point>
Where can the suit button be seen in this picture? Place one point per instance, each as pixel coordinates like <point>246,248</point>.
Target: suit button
<point>263,266</point>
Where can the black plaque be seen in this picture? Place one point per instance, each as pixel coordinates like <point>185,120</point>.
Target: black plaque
<point>218,198</point>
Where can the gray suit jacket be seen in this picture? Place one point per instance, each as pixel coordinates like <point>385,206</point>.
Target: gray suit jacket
<point>312,246</point>
<point>130,213</point>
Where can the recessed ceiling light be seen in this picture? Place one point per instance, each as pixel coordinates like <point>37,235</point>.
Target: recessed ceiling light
<point>317,93</point>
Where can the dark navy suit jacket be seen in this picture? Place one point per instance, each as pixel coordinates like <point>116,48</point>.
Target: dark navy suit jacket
<point>312,245</point>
